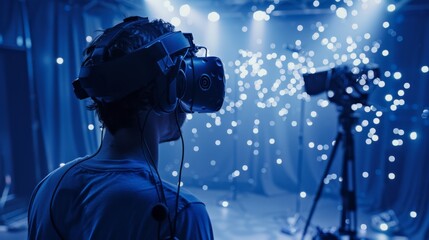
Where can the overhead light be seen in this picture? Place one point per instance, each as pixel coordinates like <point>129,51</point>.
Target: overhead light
<point>185,10</point>
<point>213,17</point>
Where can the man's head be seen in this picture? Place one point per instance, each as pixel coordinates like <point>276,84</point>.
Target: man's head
<point>139,65</point>
<point>122,113</point>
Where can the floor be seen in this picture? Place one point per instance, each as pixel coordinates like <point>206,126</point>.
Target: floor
<point>250,216</point>
<point>255,217</point>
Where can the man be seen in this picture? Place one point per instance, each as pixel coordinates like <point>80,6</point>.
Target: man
<point>117,192</point>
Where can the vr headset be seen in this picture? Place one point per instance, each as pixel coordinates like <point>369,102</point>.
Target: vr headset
<point>195,84</point>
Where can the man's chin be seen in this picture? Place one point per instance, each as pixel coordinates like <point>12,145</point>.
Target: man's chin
<point>170,139</point>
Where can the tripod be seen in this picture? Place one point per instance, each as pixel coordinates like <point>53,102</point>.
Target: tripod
<point>348,222</point>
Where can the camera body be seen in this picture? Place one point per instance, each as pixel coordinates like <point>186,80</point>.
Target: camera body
<point>344,85</point>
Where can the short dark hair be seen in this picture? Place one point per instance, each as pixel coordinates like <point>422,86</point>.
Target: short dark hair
<point>121,113</point>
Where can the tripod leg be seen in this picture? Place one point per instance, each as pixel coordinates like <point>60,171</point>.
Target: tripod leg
<point>348,188</point>
<point>321,184</point>
<point>355,222</point>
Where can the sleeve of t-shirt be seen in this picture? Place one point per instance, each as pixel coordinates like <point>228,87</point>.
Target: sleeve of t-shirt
<point>193,222</point>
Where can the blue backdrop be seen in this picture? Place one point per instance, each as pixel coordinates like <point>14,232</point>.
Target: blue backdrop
<point>254,142</point>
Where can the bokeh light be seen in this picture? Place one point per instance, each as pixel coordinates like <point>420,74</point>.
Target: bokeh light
<point>213,17</point>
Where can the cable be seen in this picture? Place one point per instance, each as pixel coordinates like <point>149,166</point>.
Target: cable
<point>160,193</point>
<point>180,170</point>
<point>161,196</point>
<point>62,177</point>
<point>141,129</point>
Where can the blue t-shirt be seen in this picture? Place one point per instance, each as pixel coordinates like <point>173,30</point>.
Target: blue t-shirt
<point>112,199</point>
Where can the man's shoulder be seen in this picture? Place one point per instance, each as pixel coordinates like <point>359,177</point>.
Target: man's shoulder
<point>193,218</point>
<point>44,189</point>
<point>189,197</point>
<point>64,166</point>
<point>55,175</point>
<point>185,195</point>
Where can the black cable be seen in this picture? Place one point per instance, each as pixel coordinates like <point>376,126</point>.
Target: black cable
<point>62,177</point>
<point>180,169</point>
<point>161,196</point>
<point>141,129</point>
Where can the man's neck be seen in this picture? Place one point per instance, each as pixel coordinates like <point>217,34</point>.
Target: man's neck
<point>130,143</point>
